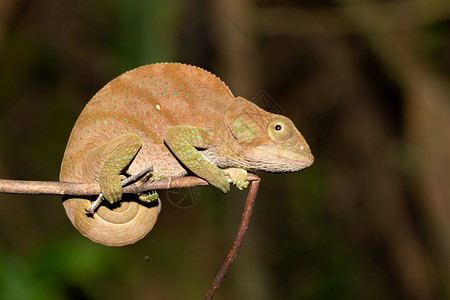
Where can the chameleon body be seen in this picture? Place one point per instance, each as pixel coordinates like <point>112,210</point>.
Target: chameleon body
<point>178,119</point>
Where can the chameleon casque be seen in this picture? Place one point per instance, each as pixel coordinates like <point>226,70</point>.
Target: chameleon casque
<point>178,119</point>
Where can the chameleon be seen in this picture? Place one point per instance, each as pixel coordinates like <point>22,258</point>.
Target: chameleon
<point>178,119</point>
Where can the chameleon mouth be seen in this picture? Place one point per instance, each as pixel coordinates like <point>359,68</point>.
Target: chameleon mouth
<point>293,160</point>
<point>280,160</point>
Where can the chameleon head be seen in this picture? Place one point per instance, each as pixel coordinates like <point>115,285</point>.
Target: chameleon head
<point>266,141</point>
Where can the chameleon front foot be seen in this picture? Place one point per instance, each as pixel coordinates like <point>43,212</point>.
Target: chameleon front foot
<point>238,177</point>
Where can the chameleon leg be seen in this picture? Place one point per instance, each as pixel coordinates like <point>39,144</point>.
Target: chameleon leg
<point>117,154</point>
<point>182,140</point>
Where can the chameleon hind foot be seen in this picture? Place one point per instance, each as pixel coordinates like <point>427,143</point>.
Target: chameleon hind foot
<point>152,197</point>
<point>111,187</point>
<point>124,181</point>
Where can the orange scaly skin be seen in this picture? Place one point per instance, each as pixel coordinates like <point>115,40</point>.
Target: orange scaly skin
<point>175,118</point>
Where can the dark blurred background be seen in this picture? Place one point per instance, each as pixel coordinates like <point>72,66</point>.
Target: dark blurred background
<point>366,82</point>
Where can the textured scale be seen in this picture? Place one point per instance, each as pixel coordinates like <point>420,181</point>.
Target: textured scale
<point>176,118</point>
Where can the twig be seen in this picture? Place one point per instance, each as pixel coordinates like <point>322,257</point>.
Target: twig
<point>89,189</point>
<point>239,237</point>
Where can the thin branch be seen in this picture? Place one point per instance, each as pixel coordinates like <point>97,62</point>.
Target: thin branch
<point>88,189</point>
<point>239,237</point>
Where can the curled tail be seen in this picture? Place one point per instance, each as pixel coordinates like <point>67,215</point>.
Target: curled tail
<point>117,224</point>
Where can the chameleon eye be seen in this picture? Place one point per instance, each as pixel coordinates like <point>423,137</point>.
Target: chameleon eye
<point>280,129</point>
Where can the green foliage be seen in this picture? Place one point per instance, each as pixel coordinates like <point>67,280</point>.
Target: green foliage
<point>62,269</point>
<point>147,32</point>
